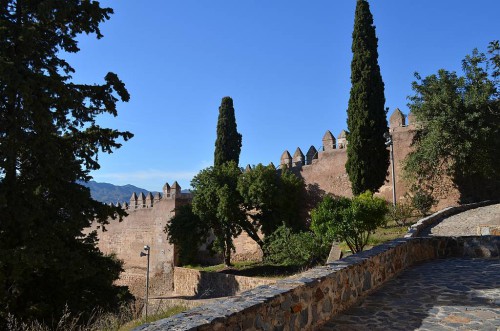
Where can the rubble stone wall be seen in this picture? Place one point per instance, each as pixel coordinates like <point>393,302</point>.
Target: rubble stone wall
<point>307,300</point>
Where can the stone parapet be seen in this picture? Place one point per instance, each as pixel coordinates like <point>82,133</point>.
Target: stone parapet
<point>307,300</point>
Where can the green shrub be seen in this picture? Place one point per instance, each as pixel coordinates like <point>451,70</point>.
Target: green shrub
<point>350,220</point>
<point>287,248</point>
<point>401,213</point>
<point>423,201</point>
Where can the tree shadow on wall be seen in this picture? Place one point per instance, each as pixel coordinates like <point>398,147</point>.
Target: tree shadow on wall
<point>475,189</point>
<point>215,285</point>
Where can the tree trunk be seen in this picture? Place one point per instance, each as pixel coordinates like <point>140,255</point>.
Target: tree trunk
<point>227,255</point>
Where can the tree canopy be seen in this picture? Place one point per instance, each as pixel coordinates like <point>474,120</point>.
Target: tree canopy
<point>49,141</point>
<point>367,155</point>
<point>272,198</point>
<point>351,220</point>
<point>228,142</point>
<point>458,127</point>
<point>217,204</point>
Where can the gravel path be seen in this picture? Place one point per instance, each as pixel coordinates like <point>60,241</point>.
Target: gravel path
<point>466,223</point>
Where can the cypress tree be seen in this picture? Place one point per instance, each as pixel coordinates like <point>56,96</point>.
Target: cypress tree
<point>367,155</point>
<point>228,142</point>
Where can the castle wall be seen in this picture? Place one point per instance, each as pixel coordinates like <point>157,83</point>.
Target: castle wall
<point>327,173</point>
<point>127,239</point>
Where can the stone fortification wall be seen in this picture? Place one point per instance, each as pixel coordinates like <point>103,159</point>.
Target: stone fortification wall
<point>306,301</point>
<point>127,239</point>
<point>324,171</point>
<point>144,226</point>
<point>201,284</point>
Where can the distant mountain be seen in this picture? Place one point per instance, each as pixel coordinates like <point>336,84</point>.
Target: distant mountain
<point>107,193</point>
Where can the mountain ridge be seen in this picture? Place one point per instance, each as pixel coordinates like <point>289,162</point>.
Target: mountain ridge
<point>110,193</point>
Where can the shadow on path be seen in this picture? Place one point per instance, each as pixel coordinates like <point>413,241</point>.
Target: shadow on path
<point>449,294</point>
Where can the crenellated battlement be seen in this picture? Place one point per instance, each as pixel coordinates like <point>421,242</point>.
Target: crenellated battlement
<point>330,144</point>
<point>149,200</point>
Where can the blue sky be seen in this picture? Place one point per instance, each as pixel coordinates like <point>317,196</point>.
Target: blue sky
<point>286,64</point>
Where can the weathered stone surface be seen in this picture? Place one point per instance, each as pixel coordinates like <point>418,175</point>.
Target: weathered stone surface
<point>335,253</point>
<point>308,300</point>
<point>442,294</point>
<point>190,282</point>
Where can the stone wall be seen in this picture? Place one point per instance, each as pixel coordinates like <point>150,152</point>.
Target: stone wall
<point>307,300</point>
<point>326,173</point>
<point>201,284</point>
<point>127,239</point>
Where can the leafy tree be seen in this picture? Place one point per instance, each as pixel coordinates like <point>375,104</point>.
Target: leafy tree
<point>217,205</point>
<point>271,198</point>
<point>458,135</point>
<point>350,220</point>
<point>289,248</point>
<point>187,232</point>
<point>49,141</point>
<point>228,142</point>
<point>367,155</point>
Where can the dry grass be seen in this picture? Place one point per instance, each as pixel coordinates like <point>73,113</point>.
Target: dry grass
<point>126,319</point>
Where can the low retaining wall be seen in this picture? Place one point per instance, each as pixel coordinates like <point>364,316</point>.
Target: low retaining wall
<point>201,284</point>
<point>307,300</point>
<point>415,229</point>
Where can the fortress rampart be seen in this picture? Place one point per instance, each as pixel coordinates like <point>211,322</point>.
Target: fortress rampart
<point>322,169</point>
<point>144,225</point>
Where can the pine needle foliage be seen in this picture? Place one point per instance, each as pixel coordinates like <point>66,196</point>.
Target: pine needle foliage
<point>368,157</point>
<point>49,142</point>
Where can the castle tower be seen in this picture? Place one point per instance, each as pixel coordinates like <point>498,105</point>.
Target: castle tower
<point>286,160</point>
<point>141,201</point>
<point>328,141</point>
<point>133,201</point>
<point>342,139</point>
<point>298,158</point>
<point>312,154</point>
<point>149,200</point>
<point>271,165</point>
<point>248,168</point>
<point>125,205</point>
<point>397,119</point>
<point>157,197</point>
<point>175,189</point>
<point>166,190</point>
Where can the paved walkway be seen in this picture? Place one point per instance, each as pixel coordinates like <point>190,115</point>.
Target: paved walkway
<point>451,294</point>
<point>466,223</point>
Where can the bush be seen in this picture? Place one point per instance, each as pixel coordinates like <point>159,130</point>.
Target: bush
<point>287,248</point>
<point>423,201</point>
<point>350,220</point>
<point>401,213</point>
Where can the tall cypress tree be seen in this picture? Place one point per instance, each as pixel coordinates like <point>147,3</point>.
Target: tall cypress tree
<point>228,142</point>
<point>367,155</point>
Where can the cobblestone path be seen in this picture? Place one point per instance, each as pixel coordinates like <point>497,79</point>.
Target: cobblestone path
<point>466,223</point>
<point>450,294</point>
